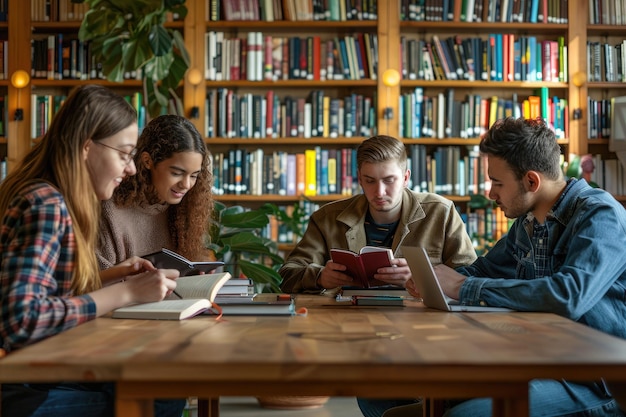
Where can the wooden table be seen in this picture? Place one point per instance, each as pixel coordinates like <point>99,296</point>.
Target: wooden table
<point>334,351</point>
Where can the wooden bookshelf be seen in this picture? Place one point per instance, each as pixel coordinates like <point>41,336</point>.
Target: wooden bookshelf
<point>388,28</point>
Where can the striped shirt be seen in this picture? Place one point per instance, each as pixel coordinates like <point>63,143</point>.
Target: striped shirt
<point>37,249</point>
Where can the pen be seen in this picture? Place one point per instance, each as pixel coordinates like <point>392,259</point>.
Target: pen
<point>177,294</point>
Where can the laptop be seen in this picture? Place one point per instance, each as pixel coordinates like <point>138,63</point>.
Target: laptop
<point>427,284</point>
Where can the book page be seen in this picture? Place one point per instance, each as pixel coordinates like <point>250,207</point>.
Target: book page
<point>164,310</point>
<point>368,249</point>
<point>201,286</point>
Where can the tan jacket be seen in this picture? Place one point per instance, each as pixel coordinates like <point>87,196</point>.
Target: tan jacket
<point>427,220</point>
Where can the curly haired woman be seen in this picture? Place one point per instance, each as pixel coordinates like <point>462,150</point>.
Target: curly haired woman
<point>168,202</point>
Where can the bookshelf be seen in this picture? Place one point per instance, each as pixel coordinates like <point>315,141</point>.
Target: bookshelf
<point>389,30</point>
<point>4,83</point>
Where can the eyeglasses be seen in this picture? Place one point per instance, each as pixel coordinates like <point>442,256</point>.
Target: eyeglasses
<point>127,157</point>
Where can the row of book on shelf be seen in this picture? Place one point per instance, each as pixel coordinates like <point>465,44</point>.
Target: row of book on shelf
<point>57,10</point>
<point>442,115</point>
<point>498,57</point>
<point>229,114</point>
<point>62,57</point>
<point>292,10</point>
<point>264,57</point>
<point>599,116</point>
<point>44,107</point>
<point>3,168</point>
<point>607,12</point>
<point>4,114</point>
<point>609,174</point>
<point>4,59</point>
<point>606,62</point>
<point>532,11</point>
<point>448,170</point>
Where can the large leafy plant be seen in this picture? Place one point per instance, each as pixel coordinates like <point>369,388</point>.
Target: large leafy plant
<point>131,35</point>
<point>236,237</point>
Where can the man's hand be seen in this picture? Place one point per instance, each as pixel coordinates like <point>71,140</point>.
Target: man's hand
<point>332,275</point>
<point>398,274</point>
<point>449,280</point>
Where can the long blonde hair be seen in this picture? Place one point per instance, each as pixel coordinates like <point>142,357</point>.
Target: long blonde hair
<point>89,112</point>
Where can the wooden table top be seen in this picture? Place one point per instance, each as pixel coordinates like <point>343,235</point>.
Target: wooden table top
<point>331,346</point>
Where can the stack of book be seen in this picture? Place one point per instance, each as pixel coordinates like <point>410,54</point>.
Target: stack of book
<point>236,287</point>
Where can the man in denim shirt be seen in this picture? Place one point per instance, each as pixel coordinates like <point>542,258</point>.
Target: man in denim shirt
<point>563,254</point>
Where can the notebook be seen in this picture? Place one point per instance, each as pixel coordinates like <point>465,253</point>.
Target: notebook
<point>426,283</point>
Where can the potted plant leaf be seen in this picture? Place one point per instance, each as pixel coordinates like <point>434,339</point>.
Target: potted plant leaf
<point>236,237</point>
<point>127,36</point>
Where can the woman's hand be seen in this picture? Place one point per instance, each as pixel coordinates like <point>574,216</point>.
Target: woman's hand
<point>131,266</point>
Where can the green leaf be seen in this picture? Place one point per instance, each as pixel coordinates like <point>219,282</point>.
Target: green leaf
<point>158,67</point>
<point>112,68</point>
<point>179,10</point>
<point>160,41</point>
<point>98,23</point>
<point>261,274</point>
<point>135,54</point>
<point>172,4</point>
<point>176,73</point>
<point>156,100</point>
<point>480,201</point>
<point>248,219</point>
<point>179,44</point>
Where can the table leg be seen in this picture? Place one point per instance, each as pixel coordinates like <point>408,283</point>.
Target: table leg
<point>134,408</point>
<point>209,407</point>
<point>510,407</point>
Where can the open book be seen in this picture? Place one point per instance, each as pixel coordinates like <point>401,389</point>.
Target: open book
<point>363,265</point>
<point>194,295</point>
<point>168,259</point>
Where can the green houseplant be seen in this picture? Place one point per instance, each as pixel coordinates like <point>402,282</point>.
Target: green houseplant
<point>128,36</point>
<point>236,237</point>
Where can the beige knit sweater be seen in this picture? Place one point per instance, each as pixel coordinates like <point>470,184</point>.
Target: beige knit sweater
<point>125,232</point>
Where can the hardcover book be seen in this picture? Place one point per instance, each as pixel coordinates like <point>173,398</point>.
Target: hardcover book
<point>254,307</point>
<point>363,265</point>
<point>382,300</point>
<point>193,295</point>
<point>167,259</point>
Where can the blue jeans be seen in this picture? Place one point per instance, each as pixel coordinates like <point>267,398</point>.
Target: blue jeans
<point>375,407</point>
<point>548,398</point>
<point>61,400</point>
<point>551,398</point>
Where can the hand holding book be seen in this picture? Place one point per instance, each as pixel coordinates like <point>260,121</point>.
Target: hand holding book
<point>167,259</point>
<point>363,265</point>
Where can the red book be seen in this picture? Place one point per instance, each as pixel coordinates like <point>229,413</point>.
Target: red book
<point>364,265</point>
<point>303,59</point>
<point>317,57</point>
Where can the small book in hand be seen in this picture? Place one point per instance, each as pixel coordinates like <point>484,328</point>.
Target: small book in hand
<point>363,265</point>
<point>167,259</point>
<point>194,295</point>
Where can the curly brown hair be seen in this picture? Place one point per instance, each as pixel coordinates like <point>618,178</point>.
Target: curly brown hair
<point>188,221</point>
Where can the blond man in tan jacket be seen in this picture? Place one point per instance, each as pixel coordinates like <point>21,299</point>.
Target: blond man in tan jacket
<point>387,214</point>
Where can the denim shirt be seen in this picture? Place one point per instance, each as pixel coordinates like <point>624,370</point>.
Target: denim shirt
<point>587,252</point>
